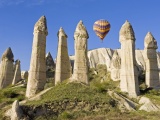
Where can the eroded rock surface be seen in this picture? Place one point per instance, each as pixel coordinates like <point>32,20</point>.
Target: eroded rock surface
<point>24,75</point>
<point>115,66</point>
<point>63,65</point>
<point>17,72</point>
<point>150,54</point>
<point>6,68</point>
<point>15,113</point>
<point>124,103</point>
<point>100,56</point>
<point>80,72</point>
<point>147,105</point>
<point>37,71</point>
<point>129,73</point>
<point>104,56</point>
<point>50,65</point>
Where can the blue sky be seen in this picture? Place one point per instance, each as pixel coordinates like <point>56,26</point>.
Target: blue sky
<point>19,16</point>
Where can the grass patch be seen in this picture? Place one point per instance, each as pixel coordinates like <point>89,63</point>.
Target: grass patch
<point>72,91</point>
<point>66,115</point>
<point>70,94</point>
<point>10,94</point>
<point>154,96</point>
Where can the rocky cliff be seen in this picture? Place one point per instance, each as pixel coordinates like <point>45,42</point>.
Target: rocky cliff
<point>104,56</point>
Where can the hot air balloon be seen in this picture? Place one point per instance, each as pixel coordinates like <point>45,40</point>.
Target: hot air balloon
<point>101,28</point>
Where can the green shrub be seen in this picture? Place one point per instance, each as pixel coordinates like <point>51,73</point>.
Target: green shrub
<point>65,115</point>
<point>143,87</point>
<point>99,87</point>
<point>154,92</point>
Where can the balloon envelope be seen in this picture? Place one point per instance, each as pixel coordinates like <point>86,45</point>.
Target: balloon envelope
<point>101,28</point>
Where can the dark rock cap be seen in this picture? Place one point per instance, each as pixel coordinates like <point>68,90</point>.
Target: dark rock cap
<point>17,61</point>
<point>61,30</point>
<point>49,60</point>
<point>8,54</point>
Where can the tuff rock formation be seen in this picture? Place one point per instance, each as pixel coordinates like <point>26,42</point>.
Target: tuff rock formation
<point>37,71</point>
<point>50,65</point>
<point>24,75</point>
<point>100,56</point>
<point>147,105</point>
<point>115,66</point>
<point>128,74</point>
<point>17,72</point>
<point>63,65</point>
<point>124,103</point>
<point>80,72</point>
<point>150,54</point>
<point>16,112</point>
<point>6,68</point>
<point>104,56</point>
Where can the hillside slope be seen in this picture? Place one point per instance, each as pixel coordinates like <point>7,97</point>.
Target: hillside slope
<point>100,100</point>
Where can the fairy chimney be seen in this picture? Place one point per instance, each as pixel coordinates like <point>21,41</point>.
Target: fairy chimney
<point>17,72</point>
<point>128,74</point>
<point>63,65</point>
<point>6,68</point>
<point>150,55</point>
<point>80,73</point>
<point>37,71</point>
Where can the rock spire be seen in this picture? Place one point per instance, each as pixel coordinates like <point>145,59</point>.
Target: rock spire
<point>8,55</point>
<point>150,56</point>
<point>17,72</point>
<point>128,74</point>
<point>80,72</point>
<point>37,71</point>
<point>6,68</point>
<point>50,65</point>
<point>16,111</point>
<point>63,65</point>
<point>41,26</point>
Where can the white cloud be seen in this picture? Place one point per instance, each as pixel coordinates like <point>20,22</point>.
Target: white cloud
<point>10,2</point>
<point>4,3</point>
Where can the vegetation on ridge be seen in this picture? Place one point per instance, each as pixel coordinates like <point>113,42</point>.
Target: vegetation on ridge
<point>68,101</point>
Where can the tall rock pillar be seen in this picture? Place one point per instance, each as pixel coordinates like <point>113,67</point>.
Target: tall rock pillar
<point>80,72</point>
<point>152,73</point>
<point>37,72</point>
<point>6,68</point>
<point>63,65</point>
<point>17,72</point>
<point>128,74</point>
